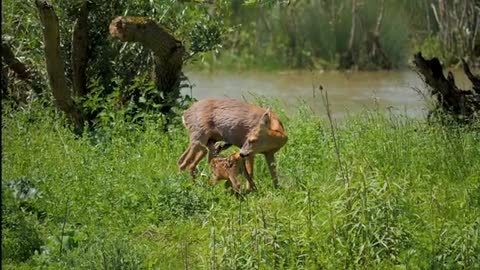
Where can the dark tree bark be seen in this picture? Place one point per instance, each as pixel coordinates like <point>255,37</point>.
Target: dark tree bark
<point>4,84</point>
<point>168,53</point>
<point>464,105</point>
<point>22,71</point>
<point>474,79</point>
<point>55,63</point>
<point>79,52</point>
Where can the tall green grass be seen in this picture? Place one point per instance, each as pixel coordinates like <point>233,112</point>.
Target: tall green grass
<point>388,192</point>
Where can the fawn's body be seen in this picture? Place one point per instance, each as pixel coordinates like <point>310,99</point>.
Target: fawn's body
<point>227,168</point>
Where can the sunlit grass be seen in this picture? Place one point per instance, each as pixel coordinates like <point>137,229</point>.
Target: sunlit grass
<point>400,193</point>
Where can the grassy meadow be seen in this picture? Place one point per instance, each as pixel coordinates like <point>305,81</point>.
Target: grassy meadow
<point>378,191</point>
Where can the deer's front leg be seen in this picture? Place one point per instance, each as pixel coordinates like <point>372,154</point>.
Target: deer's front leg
<point>249,161</point>
<point>270,158</point>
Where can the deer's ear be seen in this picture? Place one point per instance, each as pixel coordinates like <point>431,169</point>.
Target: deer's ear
<point>265,120</point>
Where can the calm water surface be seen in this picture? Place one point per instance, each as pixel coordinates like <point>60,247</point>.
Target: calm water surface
<point>348,92</point>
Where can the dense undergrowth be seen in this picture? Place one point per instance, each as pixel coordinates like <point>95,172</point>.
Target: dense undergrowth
<point>387,191</point>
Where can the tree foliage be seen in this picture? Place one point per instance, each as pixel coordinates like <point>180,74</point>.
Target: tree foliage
<point>265,33</point>
<point>318,33</point>
<point>196,24</point>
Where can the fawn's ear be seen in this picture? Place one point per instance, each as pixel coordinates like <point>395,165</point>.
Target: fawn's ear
<point>265,119</point>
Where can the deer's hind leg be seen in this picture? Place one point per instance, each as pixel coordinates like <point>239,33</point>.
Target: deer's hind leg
<point>195,152</point>
<point>200,151</point>
<point>181,161</point>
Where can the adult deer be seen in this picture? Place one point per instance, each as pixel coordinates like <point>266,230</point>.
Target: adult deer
<point>250,127</point>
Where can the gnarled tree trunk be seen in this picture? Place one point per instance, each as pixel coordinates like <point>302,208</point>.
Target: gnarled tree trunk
<point>55,63</point>
<point>168,52</point>
<point>464,105</point>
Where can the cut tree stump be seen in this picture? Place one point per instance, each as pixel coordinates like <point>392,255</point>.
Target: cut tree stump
<point>463,105</point>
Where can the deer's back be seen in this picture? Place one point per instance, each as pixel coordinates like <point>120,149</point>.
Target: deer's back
<point>224,119</point>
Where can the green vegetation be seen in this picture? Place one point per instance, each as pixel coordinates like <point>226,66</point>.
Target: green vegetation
<point>398,193</point>
<point>269,34</point>
<point>265,34</point>
<point>106,68</point>
<point>378,191</point>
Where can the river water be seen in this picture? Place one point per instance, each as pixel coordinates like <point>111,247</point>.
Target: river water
<point>348,92</point>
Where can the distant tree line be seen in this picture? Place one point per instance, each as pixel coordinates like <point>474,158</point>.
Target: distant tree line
<point>353,34</point>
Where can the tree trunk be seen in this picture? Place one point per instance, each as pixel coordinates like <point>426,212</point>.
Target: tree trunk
<point>353,27</point>
<point>464,105</point>
<point>378,25</point>
<point>55,63</point>
<point>168,51</point>
<point>377,55</point>
<point>347,59</point>
<point>4,83</point>
<point>79,52</point>
<point>458,24</point>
